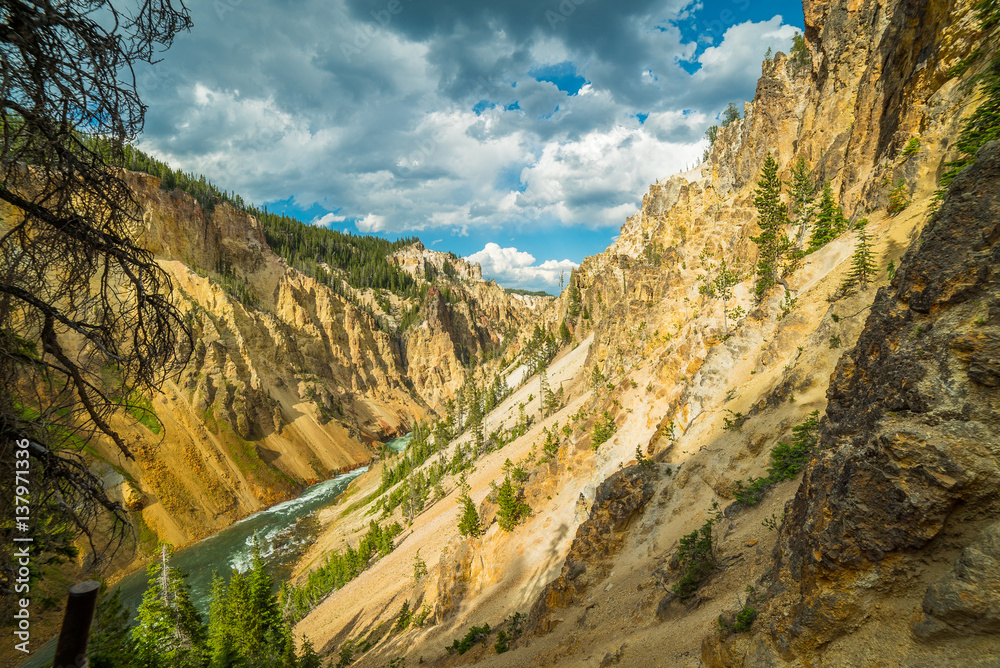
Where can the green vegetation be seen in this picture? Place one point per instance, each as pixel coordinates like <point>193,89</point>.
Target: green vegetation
<point>743,620</point>
<point>984,124</point>
<point>912,147</point>
<point>169,631</point>
<point>787,461</point>
<point>772,215</point>
<point>468,523</point>
<point>476,634</point>
<point>733,422</point>
<point>141,409</point>
<point>515,624</point>
<point>643,461</point>
<point>245,626</point>
<point>511,506</point>
<point>696,557</point>
<point>573,298</point>
<point>539,350</point>
<point>338,569</point>
<point>802,193</point>
<point>419,567</point>
<point>899,197</point>
<point>862,262</point>
<point>788,304</point>
<point>830,221</point>
<point>527,293</point>
<point>403,617</point>
<point>773,522</point>
<point>111,644</point>
<point>604,429</point>
<point>963,65</point>
<point>565,337</point>
<point>800,56</point>
<point>731,114</point>
<point>719,283</point>
<point>360,261</point>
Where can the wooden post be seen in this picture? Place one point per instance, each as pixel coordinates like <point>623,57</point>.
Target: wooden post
<point>71,651</point>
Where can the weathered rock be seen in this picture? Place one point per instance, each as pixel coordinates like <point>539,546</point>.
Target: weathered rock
<point>967,599</point>
<point>620,498</point>
<point>911,443</point>
<point>132,498</point>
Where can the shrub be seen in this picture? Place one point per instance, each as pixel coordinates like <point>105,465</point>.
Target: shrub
<point>899,197</point>
<point>403,618</point>
<point>603,429</point>
<point>787,461</point>
<point>744,619</point>
<point>512,633</point>
<point>735,423</point>
<point>419,567</point>
<point>911,147</point>
<point>696,557</point>
<point>475,634</point>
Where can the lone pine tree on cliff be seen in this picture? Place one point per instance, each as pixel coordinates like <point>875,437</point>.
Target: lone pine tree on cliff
<point>772,242</point>
<point>830,221</point>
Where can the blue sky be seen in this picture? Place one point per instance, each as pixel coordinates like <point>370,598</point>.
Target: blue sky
<point>516,132</point>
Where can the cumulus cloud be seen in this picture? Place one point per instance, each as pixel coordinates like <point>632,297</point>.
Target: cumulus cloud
<point>515,268</point>
<point>437,119</point>
<point>736,60</point>
<point>372,223</point>
<point>325,220</point>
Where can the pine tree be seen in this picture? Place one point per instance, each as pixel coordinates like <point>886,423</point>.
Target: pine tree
<point>468,524</point>
<point>802,191</point>
<point>267,615</point>
<point>309,658</point>
<point>239,614</point>
<point>221,653</point>
<point>169,631</point>
<point>511,507</point>
<point>863,261</point>
<point>573,299</point>
<point>111,644</point>
<point>772,215</point>
<point>830,221</point>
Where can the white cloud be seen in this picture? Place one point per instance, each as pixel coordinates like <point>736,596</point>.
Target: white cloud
<point>390,139</point>
<point>737,59</point>
<point>514,268</point>
<point>323,221</point>
<point>599,180</point>
<point>372,223</point>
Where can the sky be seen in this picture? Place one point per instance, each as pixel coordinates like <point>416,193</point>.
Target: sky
<point>517,133</point>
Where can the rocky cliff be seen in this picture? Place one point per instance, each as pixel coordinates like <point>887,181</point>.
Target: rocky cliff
<point>894,526</point>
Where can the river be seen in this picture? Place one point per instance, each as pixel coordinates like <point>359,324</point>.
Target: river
<point>278,529</point>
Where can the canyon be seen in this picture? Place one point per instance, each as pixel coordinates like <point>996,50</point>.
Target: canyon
<point>649,431</point>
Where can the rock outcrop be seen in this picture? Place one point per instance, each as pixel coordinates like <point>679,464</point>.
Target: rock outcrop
<point>909,463</point>
<point>617,502</point>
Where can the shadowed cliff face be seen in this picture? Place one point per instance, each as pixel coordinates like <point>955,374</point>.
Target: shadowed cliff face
<point>909,460</point>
